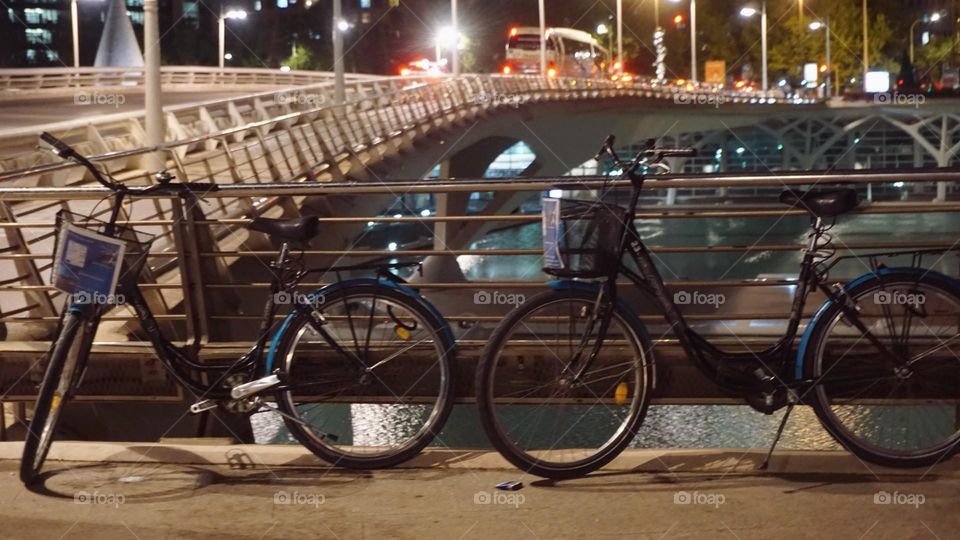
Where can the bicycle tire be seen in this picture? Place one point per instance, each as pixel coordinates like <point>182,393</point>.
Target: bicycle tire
<point>527,454</point>
<point>878,432</point>
<point>405,308</point>
<point>52,397</point>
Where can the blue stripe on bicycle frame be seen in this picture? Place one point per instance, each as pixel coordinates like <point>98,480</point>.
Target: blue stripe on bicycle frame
<point>349,283</point>
<point>805,340</point>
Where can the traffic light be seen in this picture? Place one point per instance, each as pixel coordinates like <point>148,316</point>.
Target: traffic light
<point>679,22</point>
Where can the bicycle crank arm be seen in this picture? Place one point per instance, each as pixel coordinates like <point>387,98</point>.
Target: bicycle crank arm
<point>248,389</point>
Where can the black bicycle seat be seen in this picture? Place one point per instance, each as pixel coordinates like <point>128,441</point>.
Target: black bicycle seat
<point>822,202</point>
<point>293,229</point>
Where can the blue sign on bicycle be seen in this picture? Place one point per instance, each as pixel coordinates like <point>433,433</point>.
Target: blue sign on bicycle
<point>86,262</point>
<point>551,234</point>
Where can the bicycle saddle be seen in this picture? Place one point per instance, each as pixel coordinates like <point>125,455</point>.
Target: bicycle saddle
<point>293,229</point>
<point>822,202</point>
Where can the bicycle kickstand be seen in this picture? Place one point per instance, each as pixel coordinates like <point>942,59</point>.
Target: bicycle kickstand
<point>783,423</point>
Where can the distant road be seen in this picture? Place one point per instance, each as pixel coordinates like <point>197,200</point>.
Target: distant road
<point>15,114</point>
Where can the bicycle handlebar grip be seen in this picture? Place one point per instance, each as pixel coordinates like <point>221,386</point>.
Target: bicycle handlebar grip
<point>62,148</point>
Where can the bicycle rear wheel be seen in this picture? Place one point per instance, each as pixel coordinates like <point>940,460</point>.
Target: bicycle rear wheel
<point>894,415</point>
<point>535,413</point>
<point>54,392</point>
<point>374,385</point>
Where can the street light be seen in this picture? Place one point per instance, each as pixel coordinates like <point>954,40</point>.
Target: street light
<point>748,12</point>
<point>815,26</point>
<point>693,38</point>
<point>75,28</point>
<point>222,24</point>
<point>926,18</point>
<point>604,30</point>
<point>447,38</point>
<point>339,79</point>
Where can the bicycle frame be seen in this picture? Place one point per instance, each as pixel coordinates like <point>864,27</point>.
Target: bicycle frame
<point>773,362</point>
<point>254,363</point>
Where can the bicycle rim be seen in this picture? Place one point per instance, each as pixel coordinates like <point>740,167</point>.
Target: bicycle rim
<point>356,417</point>
<point>893,416</point>
<point>54,392</point>
<point>541,419</point>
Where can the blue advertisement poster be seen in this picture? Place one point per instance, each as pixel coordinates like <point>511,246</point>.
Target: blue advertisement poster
<point>551,234</point>
<point>86,262</point>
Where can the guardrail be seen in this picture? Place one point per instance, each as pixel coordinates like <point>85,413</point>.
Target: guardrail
<point>375,110</point>
<point>206,283</point>
<point>18,81</point>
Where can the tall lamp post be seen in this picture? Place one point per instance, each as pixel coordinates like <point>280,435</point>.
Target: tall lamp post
<point>825,25</point>
<point>750,12</point>
<point>338,27</point>
<point>543,38</point>
<point>926,18</point>
<point>155,161</point>
<point>693,38</point>
<point>222,27</point>
<point>455,55</point>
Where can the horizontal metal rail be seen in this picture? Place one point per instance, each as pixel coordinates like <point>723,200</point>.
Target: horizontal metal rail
<point>17,81</point>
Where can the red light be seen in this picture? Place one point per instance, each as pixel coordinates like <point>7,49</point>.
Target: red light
<point>404,71</point>
<point>506,70</point>
<point>552,72</point>
<point>514,31</point>
<point>678,19</point>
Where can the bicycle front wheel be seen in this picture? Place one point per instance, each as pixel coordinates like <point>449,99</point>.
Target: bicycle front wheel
<point>888,389</point>
<point>540,417</point>
<point>54,392</point>
<point>372,384</point>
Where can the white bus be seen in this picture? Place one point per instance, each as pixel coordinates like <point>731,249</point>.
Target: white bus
<point>570,53</point>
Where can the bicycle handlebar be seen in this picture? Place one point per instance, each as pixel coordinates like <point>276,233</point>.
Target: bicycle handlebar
<point>65,151</point>
<point>650,152</point>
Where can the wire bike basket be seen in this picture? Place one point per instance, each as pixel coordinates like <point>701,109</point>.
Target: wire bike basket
<point>91,265</point>
<point>581,239</point>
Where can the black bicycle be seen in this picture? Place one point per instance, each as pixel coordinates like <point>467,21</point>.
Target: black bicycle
<point>361,371</point>
<point>565,381</point>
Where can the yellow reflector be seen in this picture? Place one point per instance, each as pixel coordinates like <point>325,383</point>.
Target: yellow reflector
<point>621,394</point>
<point>402,333</point>
<point>55,402</point>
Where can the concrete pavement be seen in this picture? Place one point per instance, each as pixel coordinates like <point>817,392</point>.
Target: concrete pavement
<point>231,491</point>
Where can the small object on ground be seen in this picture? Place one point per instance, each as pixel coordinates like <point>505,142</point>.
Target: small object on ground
<point>510,486</point>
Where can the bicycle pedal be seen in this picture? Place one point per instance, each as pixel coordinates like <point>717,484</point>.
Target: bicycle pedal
<point>248,389</point>
<point>202,406</point>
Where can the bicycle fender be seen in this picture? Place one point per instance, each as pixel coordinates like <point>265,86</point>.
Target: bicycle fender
<point>275,342</point>
<point>880,272</point>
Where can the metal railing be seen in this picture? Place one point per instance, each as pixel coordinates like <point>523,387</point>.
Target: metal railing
<point>14,82</point>
<point>206,282</point>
